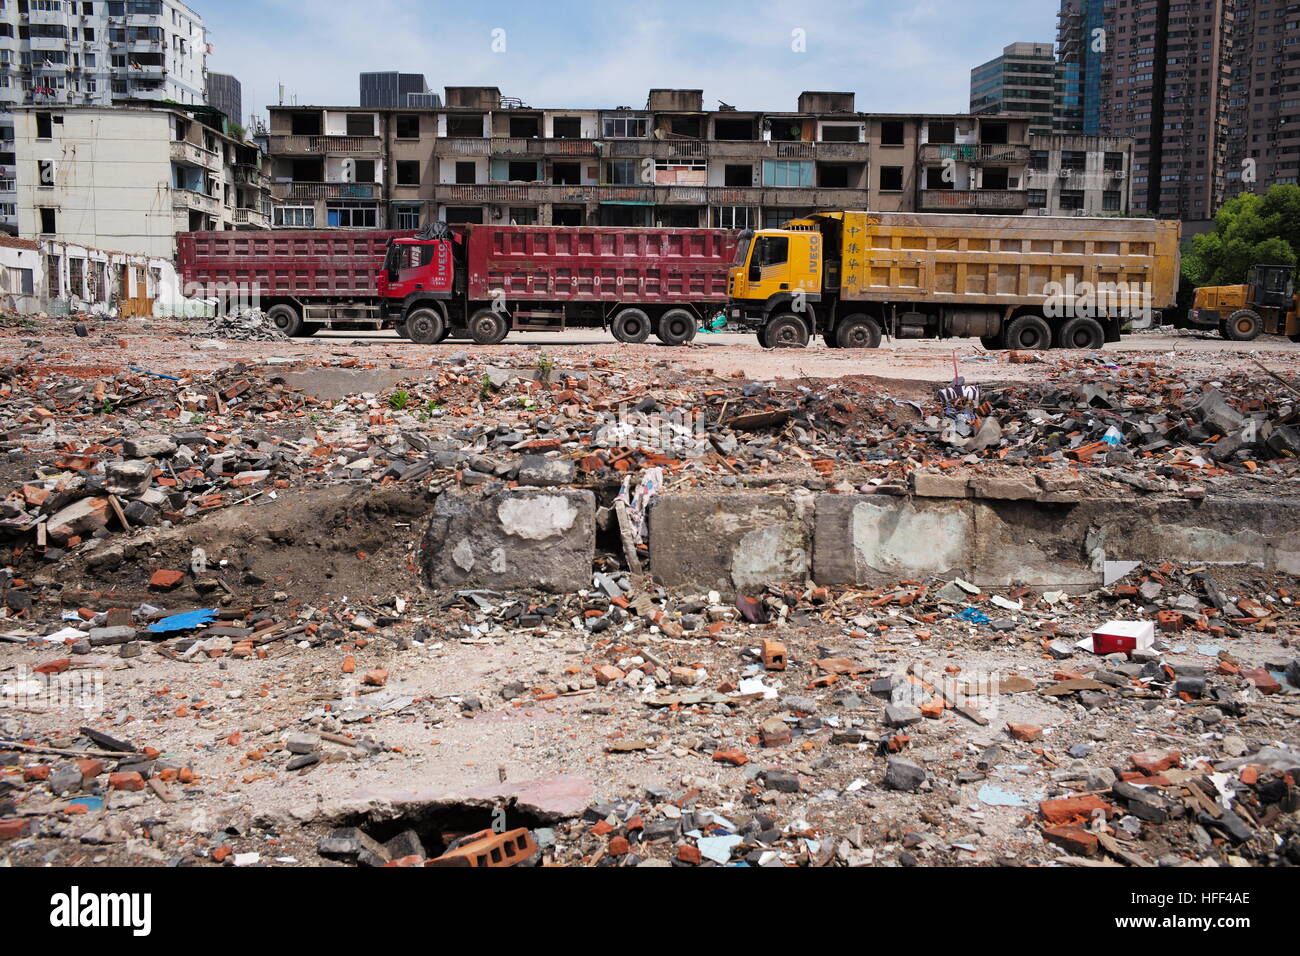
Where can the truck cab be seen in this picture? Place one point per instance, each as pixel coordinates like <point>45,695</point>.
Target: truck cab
<point>775,271</point>
<point>416,266</point>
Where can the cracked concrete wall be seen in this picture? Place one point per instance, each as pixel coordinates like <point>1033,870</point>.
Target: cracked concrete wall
<point>516,540</point>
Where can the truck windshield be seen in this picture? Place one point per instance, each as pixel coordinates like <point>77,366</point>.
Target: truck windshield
<point>393,260</point>
<point>742,247</point>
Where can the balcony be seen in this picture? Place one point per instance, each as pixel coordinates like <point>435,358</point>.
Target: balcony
<point>528,193</point>
<point>189,199</point>
<point>186,152</point>
<point>252,218</point>
<point>310,192</point>
<point>325,145</point>
<point>974,200</point>
<point>750,150</point>
<point>934,154</point>
<point>513,146</point>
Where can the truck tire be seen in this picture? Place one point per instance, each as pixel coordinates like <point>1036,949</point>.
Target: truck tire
<point>787,331</point>
<point>425,327</point>
<point>858,332</point>
<point>1081,334</point>
<point>993,343</point>
<point>1028,332</point>
<point>1242,326</point>
<point>488,328</point>
<point>286,319</point>
<point>675,327</point>
<point>631,326</point>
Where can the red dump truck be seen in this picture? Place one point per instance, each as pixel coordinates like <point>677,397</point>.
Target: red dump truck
<point>479,282</point>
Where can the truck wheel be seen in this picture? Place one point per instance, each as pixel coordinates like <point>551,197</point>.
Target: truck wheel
<point>487,327</point>
<point>762,336</point>
<point>1242,326</point>
<point>858,332</point>
<point>425,327</point>
<point>992,343</point>
<point>631,326</point>
<point>675,327</point>
<point>1081,334</point>
<point>1029,332</point>
<point>286,319</point>
<point>787,332</point>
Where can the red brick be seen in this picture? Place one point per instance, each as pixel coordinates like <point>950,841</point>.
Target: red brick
<point>13,829</point>
<point>126,781</point>
<point>1071,809</point>
<point>688,854</point>
<point>1075,839</point>
<point>165,580</point>
<point>1153,764</point>
<point>1264,682</point>
<point>1026,733</point>
<point>619,846</point>
<point>733,757</point>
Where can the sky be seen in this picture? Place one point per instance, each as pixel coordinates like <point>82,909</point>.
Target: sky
<point>897,55</point>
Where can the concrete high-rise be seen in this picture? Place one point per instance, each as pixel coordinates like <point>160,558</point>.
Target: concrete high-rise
<point>89,53</point>
<point>1021,80</point>
<point>226,94</point>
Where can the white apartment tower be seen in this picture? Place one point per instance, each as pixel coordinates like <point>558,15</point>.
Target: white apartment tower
<point>90,53</point>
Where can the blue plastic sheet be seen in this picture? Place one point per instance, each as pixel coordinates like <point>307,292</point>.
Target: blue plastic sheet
<point>188,621</point>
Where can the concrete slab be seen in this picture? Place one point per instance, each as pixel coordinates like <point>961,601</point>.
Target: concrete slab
<point>865,539</point>
<point>731,542</point>
<point>517,540</point>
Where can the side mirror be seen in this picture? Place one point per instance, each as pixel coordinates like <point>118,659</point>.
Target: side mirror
<point>755,273</point>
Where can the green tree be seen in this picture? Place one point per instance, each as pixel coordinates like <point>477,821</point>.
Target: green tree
<point>1249,230</point>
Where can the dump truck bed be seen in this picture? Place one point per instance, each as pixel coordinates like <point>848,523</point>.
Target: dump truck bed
<point>1001,260</point>
<point>297,263</point>
<point>599,264</point>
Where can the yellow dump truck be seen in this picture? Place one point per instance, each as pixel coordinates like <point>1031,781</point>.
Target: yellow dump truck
<point>1266,303</point>
<point>1021,282</point>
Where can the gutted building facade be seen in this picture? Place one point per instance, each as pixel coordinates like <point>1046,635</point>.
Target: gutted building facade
<point>483,157</point>
<point>1077,175</point>
<point>129,177</point>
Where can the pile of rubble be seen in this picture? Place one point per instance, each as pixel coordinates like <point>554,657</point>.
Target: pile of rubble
<point>248,325</point>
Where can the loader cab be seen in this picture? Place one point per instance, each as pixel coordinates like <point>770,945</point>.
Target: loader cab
<point>1272,287</point>
<point>777,264</point>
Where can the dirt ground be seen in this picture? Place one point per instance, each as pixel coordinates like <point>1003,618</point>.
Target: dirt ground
<point>438,694</point>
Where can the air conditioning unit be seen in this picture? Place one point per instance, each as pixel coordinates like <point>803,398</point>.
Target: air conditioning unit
<point>1044,211</point>
<point>1065,173</point>
<point>1119,174</point>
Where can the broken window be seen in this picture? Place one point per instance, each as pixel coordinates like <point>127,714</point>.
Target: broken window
<point>53,273</point>
<point>840,134</point>
<point>738,175</point>
<point>49,221</point>
<point>459,124</point>
<point>567,127</point>
<point>77,277</point>
<point>832,177</point>
<point>462,214</point>
<point>521,172</point>
<point>1111,200</point>
<point>406,218</point>
<point>408,126</point>
<point>935,179</point>
<point>1071,199</point>
<point>891,178</point>
<point>523,215</point>
<point>566,216</point>
<point>623,172</point>
<point>525,127</point>
<point>995,177</point>
<point>44,126</point>
<point>1038,159</point>
<point>1074,159</point>
<point>361,124</point>
<point>305,124</point>
<point>1113,162</point>
<point>466,174</point>
<point>942,131</point>
<point>996,133</point>
<point>733,129</point>
<point>408,172</point>
<point>891,133</point>
<point>566,174</point>
<point>364,169</point>
<point>307,170</point>
<point>685,126</point>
